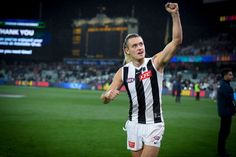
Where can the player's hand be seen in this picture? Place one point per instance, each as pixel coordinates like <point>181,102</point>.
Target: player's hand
<point>110,95</point>
<point>172,7</point>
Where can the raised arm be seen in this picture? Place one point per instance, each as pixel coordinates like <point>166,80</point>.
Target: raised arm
<point>163,57</point>
<point>113,90</point>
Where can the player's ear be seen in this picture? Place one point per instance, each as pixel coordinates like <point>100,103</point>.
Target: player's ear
<point>127,51</point>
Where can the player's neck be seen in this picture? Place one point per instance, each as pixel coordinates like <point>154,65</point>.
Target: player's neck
<point>138,63</point>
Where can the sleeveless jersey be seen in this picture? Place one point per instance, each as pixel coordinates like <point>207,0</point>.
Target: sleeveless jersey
<point>144,87</point>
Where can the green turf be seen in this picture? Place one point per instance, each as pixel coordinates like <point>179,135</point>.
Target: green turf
<point>54,122</point>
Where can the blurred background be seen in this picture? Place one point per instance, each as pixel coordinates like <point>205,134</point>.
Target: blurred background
<point>78,44</point>
<point>76,48</point>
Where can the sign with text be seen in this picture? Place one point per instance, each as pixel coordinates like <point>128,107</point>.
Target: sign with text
<point>23,37</point>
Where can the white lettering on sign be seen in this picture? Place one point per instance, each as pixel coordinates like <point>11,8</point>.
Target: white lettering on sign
<point>27,32</point>
<point>17,32</point>
<point>23,52</point>
<point>9,31</point>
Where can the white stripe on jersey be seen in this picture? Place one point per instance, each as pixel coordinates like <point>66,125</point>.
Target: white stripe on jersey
<point>145,88</point>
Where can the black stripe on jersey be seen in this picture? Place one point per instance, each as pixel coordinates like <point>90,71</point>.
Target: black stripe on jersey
<point>125,75</point>
<point>155,93</point>
<point>140,97</point>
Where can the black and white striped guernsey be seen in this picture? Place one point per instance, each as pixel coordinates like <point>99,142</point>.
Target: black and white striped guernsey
<point>144,87</point>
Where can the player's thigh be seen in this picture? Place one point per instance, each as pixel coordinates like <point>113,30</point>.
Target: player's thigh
<point>150,151</point>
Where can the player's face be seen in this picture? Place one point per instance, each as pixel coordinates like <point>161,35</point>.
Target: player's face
<point>136,48</point>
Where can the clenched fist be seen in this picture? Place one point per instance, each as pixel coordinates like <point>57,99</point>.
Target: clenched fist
<point>172,7</point>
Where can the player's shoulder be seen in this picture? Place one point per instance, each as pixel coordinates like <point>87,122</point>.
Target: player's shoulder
<point>148,59</point>
<point>127,65</point>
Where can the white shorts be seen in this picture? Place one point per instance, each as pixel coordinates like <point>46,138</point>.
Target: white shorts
<point>143,134</point>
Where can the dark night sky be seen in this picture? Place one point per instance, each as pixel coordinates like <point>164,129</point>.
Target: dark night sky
<point>197,18</point>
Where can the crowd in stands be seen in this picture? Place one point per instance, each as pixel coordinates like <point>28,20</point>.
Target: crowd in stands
<point>218,45</point>
<point>100,75</point>
<point>55,72</point>
<point>94,75</point>
<point>208,82</point>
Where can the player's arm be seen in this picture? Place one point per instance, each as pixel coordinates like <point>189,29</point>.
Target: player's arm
<point>113,90</point>
<point>163,57</point>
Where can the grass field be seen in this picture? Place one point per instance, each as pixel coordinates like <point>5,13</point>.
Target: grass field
<point>53,122</point>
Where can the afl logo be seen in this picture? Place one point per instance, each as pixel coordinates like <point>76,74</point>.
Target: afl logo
<point>130,80</point>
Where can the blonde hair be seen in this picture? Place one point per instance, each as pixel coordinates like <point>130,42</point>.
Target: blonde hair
<point>127,58</point>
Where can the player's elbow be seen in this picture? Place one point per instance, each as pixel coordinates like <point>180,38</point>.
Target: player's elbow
<point>178,41</point>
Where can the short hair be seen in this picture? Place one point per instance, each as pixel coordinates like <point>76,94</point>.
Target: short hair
<point>225,71</point>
